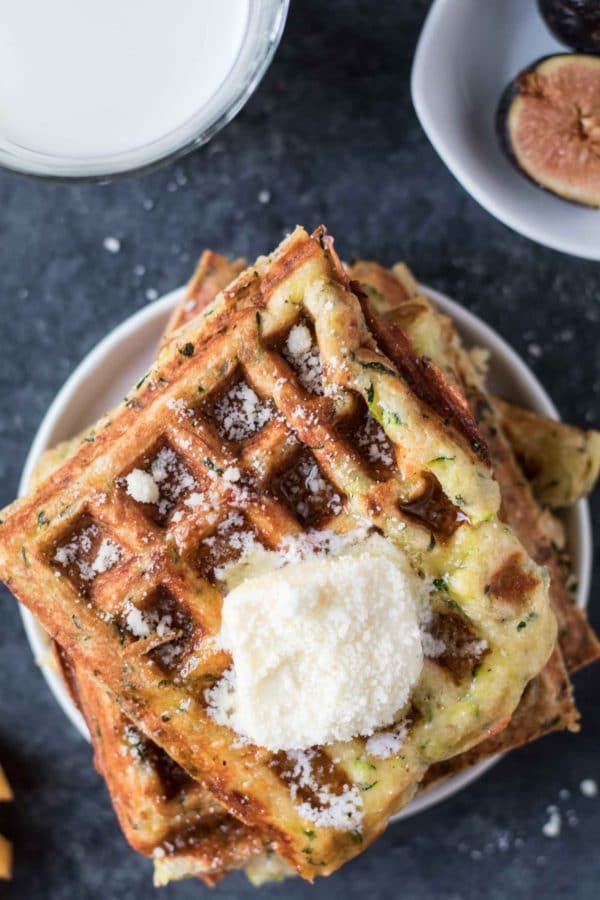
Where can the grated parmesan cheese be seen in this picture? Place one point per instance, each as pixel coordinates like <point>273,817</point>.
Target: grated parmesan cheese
<point>374,441</point>
<point>108,556</point>
<point>142,623</point>
<point>299,340</point>
<point>75,552</point>
<point>165,483</point>
<point>336,657</point>
<point>305,358</point>
<point>241,412</point>
<point>142,486</point>
<point>256,560</point>
<point>136,622</point>
<point>432,647</point>
<point>342,811</point>
<point>384,744</point>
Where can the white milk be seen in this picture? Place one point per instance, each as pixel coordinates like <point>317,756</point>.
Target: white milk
<point>89,78</point>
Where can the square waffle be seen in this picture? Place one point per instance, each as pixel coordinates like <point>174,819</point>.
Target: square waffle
<point>188,846</point>
<point>142,789</point>
<point>132,593</point>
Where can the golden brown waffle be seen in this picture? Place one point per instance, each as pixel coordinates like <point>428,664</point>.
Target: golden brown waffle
<point>162,557</point>
<point>561,461</point>
<point>547,703</point>
<point>396,296</point>
<point>162,811</point>
<point>213,274</point>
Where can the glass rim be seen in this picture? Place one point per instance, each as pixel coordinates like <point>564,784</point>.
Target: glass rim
<point>275,12</point>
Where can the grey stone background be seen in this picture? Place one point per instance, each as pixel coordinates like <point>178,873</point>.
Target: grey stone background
<point>331,136</point>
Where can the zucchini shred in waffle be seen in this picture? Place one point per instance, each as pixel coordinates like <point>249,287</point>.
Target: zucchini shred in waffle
<point>433,494</point>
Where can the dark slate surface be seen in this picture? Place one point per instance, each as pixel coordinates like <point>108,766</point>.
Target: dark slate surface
<point>331,135</point>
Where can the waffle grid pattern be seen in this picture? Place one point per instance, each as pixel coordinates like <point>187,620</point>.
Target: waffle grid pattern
<point>143,623</point>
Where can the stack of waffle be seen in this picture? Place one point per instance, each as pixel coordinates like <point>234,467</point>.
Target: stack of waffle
<point>381,417</point>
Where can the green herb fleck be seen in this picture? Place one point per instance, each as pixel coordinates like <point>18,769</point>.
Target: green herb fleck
<point>439,459</point>
<point>524,622</point>
<point>141,381</point>
<point>76,622</point>
<point>42,519</point>
<point>370,394</point>
<point>24,556</point>
<point>208,462</point>
<point>90,437</point>
<point>187,349</point>
<point>441,584</point>
<point>391,418</point>
<point>378,367</point>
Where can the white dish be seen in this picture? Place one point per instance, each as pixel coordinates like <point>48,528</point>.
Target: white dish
<point>468,52</point>
<point>109,370</point>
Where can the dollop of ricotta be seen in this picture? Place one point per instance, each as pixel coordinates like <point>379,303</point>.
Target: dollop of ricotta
<point>323,650</point>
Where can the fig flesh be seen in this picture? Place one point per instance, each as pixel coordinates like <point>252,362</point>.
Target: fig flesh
<point>549,123</point>
<point>575,23</point>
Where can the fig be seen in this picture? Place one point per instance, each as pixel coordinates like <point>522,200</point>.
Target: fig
<point>575,23</point>
<point>549,123</point>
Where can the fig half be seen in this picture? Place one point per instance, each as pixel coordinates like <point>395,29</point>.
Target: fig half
<point>549,123</point>
<point>575,23</point>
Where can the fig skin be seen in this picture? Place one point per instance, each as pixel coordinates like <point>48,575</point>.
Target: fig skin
<point>575,23</point>
<point>576,134</point>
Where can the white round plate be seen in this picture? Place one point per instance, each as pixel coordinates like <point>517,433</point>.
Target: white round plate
<point>107,373</point>
<point>467,53</point>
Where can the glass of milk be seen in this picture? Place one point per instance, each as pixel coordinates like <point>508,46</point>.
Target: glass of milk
<point>92,89</point>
